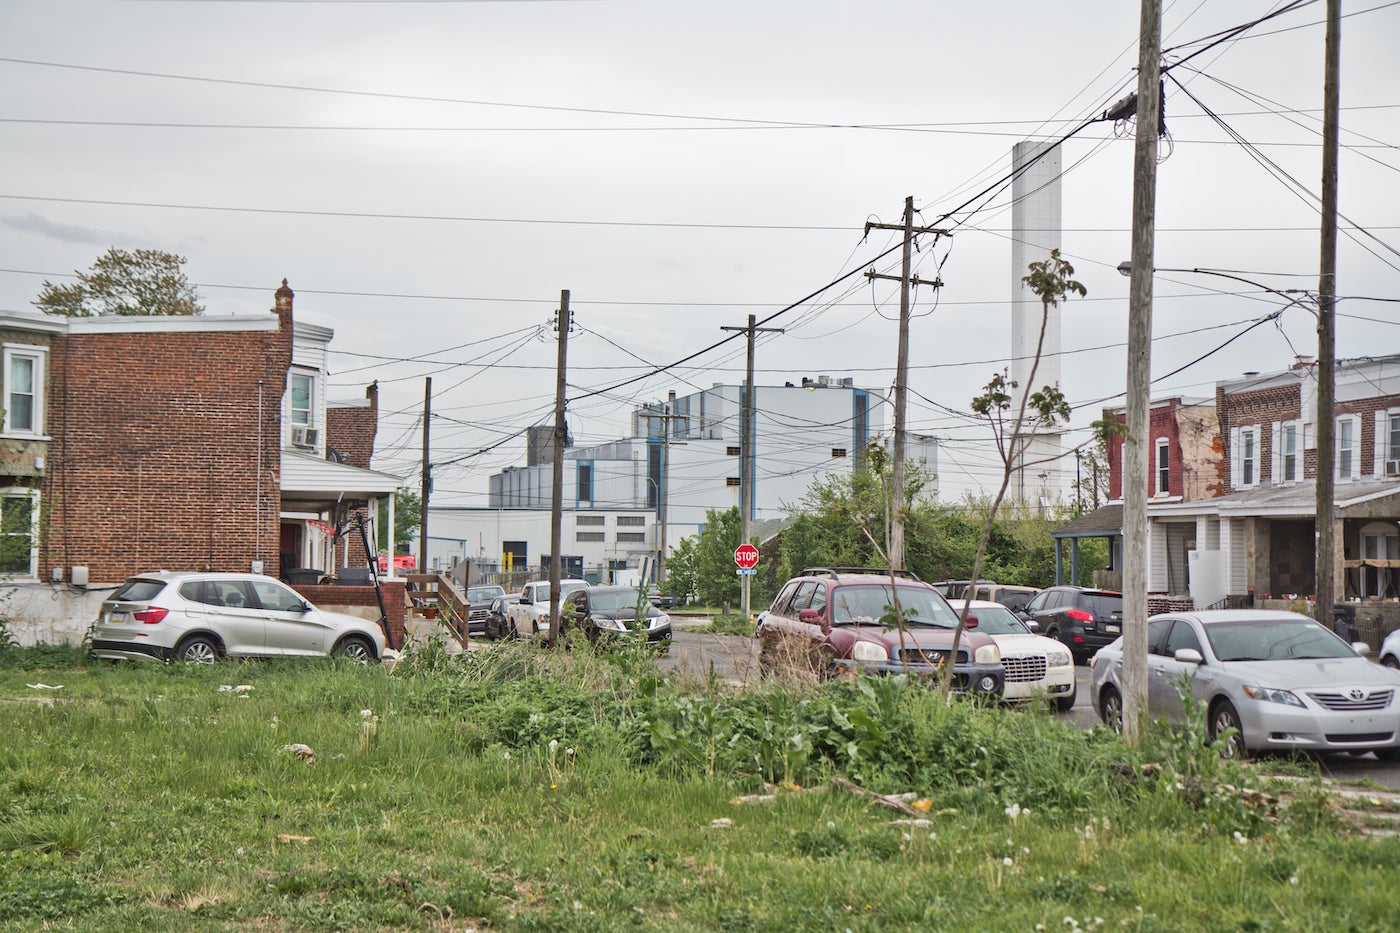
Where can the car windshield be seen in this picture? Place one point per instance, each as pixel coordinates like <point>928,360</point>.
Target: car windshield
<point>1275,640</point>
<point>998,621</point>
<point>871,603</point>
<point>612,600</point>
<point>481,594</point>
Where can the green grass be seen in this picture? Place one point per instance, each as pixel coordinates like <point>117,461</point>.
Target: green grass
<point>516,790</point>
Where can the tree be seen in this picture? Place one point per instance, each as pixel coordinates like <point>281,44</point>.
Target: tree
<point>139,282</point>
<point>1042,408</point>
<point>1091,486</point>
<point>408,510</point>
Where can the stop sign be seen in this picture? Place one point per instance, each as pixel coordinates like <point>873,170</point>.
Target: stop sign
<point>746,556</point>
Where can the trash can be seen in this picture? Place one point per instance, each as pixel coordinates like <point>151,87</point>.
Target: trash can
<point>1344,622</point>
<point>304,577</point>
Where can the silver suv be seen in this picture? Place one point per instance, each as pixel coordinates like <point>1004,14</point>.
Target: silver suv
<point>201,617</point>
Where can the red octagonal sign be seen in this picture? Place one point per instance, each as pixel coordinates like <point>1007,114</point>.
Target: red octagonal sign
<point>746,556</point>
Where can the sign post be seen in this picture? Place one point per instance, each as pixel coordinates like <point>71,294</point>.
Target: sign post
<point>746,557</point>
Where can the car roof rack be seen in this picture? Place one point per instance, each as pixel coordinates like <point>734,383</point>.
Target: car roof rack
<point>877,571</point>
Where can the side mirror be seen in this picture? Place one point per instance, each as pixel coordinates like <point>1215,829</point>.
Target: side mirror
<point>1361,648</point>
<point>810,617</point>
<point>524,600</point>
<point>1031,624</point>
<point>1188,656</point>
<point>971,623</point>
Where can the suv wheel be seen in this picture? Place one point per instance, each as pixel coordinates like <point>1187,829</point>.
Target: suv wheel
<point>197,650</point>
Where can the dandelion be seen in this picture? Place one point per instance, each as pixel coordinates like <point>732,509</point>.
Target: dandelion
<point>569,750</point>
<point>1293,880</point>
<point>1007,861</point>
<point>554,787</point>
<point>1025,850</point>
<point>1013,811</point>
<point>366,713</point>
<point>1241,838</point>
<point>906,837</point>
<point>553,746</point>
<point>507,756</point>
<point>933,835</point>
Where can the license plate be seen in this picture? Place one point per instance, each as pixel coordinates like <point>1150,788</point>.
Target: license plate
<point>1112,629</point>
<point>118,618</point>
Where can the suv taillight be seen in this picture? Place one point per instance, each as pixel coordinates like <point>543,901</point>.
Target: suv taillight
<point>150,616</point>
<point>1079,615</point>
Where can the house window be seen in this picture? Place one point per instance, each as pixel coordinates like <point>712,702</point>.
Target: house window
<point>631,537</point>
<point>1164,473</point>
<point>732,481</point>
<point>302,394</point>
<point>633,521</point>
<point>1249,456</point>
<point>1348,438</point>
<point>19,532</point>
<point>838,452</point>
<point>1288,456</point>
<point>1392,448</point>
<point>589,536</point>
<point>585,482</point>
<point>732,451</point>
<point>590,519</point>
<point>24,389</point>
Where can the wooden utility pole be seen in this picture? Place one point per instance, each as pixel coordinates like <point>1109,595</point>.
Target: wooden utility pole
<point>425,488</point>
<point>1325,510</point>
<point>746,450</point>
<point>663,489</point>
<point>1139,375</point>
<point>556,513</point>
<point>901,376</point>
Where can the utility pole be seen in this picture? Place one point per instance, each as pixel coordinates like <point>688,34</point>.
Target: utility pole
<point>663,490</point>
<point>901,377</point>
<point>425,489</point>
<point>1325,509</point>
<point>556,513</point>
<point>746,450</point>
<point>1139,375</point>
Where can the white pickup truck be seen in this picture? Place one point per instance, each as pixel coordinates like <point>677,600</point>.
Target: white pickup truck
<point>528,614</point>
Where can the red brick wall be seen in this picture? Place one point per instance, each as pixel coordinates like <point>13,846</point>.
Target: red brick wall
<point>1261,408</point>
<point>165,451</point>
<point>1162,422</point>
<point>351,430</point>
<point>395,601</point>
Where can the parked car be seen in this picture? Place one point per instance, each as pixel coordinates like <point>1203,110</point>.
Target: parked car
<point>611,612</point>
<point>202,617</point>
<point>1012,597</point>
<point>661,599</point>
<point>952,589</point>
<point>496,624</point>
<point>1267,681</point>
<point>1036,667</point>
<point>480,599</point>
<point>1083,620</point>
<point>528,613</point>
<point>1390,650</point>
<point>828,621</point>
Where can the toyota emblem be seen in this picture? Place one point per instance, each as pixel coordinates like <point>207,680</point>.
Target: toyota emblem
<point>1357,694</point>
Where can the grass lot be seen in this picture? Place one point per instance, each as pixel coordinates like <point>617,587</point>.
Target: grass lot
<point>506,790</point>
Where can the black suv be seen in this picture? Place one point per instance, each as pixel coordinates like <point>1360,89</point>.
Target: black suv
<point>833,619</point>
<point>1084,620</point>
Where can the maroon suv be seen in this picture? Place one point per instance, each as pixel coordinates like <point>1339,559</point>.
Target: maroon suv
<point>829,620</point>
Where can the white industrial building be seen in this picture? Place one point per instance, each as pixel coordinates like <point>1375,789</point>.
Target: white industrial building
<point>682,460</point>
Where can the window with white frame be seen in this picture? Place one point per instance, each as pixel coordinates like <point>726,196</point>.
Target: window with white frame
<point>303,397</point>
<point>1163,467</point>
<point>1290,466</point>
<point>24,389</point>
<point>1348,454</point>
<point>1247,456</point>
<point>19,532</point>
<point>1390,438</point>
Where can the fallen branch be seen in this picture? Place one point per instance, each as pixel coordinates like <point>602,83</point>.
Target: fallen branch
<point>891,801</point>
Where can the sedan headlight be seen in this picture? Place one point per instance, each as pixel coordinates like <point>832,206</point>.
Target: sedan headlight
<point>1273,695</point>
<point>869,651</point>
<point>1059,659</point>
<point>987,654</point>
<point>616,625</point>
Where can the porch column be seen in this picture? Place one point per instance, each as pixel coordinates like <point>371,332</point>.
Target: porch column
<point>1059,561</point>
<point>388,536</point>
<point>1074,561</point>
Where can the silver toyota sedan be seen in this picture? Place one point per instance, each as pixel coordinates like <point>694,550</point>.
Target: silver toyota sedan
<point>1267,681</point>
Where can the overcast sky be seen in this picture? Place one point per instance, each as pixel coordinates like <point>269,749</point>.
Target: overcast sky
<point>429,175</point>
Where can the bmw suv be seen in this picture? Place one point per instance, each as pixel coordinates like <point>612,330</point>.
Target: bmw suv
<point>202,617</point>
<point>830,620</point>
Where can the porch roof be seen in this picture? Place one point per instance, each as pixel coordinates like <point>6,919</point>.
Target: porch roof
<point>1105,522</point>
<point>1298,500</point>
<point>310,478</point>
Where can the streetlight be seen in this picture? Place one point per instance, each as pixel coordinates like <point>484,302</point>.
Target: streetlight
<point>1324,510</point>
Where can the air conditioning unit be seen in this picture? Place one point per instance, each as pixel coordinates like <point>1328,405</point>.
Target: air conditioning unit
<point>305,437</point>
<point>1392,468</point>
